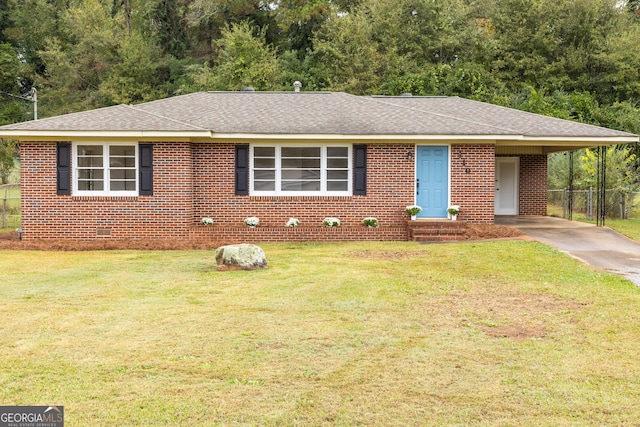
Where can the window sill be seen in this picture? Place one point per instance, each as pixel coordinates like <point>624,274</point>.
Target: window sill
<point>104,198</point>
<point>299,198</point>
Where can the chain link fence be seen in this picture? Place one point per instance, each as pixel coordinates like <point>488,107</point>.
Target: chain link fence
<point>10,206</point>
<point>619,204</point>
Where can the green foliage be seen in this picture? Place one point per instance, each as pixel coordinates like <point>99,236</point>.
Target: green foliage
<point>8,152</point>
<point>244,60</point>
<point>137,76</point>
<point>9,68</point>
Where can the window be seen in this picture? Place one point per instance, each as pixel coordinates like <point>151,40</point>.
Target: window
<point>295,170</point>
<point>105,169</point>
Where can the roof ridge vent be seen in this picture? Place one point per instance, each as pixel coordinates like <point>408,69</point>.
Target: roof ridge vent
<point>248,89</point>
<point>406,94</point>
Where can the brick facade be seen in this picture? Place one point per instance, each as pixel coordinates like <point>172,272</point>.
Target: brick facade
<point>46,215</point>
<point>196,180</point>
<point>533,184</point>
<point>472,181</point>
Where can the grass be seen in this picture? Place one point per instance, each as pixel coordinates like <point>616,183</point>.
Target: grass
<point>482,333</point>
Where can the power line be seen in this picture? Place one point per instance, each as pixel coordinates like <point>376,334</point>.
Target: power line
<point>33,98</point>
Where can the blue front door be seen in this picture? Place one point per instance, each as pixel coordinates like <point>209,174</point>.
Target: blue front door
<point>432,181</point>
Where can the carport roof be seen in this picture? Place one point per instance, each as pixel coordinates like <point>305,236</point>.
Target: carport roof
<point>209,116</point>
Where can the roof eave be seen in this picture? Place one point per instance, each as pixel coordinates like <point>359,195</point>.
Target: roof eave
<point>137,135</point>
<point>571,141</point>
<point>358,137</point>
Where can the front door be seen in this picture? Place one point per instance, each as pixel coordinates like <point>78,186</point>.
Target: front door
<point>432,181</point>
<point>506,190</point>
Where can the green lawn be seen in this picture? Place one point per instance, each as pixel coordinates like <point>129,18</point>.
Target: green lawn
<point>505,333</point>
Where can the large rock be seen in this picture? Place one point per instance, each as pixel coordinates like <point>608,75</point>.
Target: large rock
<point>240,257</point>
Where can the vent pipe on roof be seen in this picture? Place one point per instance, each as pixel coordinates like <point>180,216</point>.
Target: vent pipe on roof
<point>296,86</point>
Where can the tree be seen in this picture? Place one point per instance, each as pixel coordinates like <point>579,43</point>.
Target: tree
<point>8,153</point>
<point>244,59</point>
<point>167,21</point>
<point>136,74</point>
<point>78,59</point>
<point>208,18</point>
<point>9,68</point>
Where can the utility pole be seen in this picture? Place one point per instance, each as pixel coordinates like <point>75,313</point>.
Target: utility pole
<point>33,97</point>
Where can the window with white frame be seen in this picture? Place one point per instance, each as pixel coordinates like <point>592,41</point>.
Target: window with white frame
<point>301,170</point>
<point>105,169</point>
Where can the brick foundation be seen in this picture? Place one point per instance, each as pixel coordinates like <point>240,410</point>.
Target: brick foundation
<point>297,234</point>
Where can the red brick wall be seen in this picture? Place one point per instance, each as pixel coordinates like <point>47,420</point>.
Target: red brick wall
<point>472,181</point>
<point>192,181</point>
<point>239,234</point>
<point>389,189</point>
<point>166,214</point>
<point>533,184</point>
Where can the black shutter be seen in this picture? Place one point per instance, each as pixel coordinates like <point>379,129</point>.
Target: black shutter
<point>63,168</point>
<point>360,170</point>
<point>242,170</point>
<point>146,169</point>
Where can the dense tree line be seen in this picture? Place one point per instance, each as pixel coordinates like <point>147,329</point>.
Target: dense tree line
<point>574,59</point>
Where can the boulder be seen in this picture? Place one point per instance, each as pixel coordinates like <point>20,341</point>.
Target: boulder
<point>240,257</point>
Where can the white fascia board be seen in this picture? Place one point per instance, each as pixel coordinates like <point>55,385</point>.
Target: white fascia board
<point>572,140</point>
<point>345,137</point>
<point>38,135</point>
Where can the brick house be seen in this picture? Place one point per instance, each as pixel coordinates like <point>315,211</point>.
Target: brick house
<point>154,170</point>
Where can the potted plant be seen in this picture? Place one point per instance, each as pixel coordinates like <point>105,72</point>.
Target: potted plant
<point>206,221</point>
<point>453,210</point>
<point>252,221</point>
<point>412,211</point>
<point>293,222</point>
<point>331,222</point>
<point>371,222</point>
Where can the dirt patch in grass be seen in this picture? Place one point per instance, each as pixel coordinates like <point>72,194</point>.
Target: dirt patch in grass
<point>386,255</point>
<point>518,316</point>
<point>10,240</point>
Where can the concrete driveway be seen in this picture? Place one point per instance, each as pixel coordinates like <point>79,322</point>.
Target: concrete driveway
<point>597,246</point>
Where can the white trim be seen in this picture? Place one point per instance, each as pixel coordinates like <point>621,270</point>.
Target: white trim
<point>106,178</point>
<point>213,137</point>
<point>323,171</point>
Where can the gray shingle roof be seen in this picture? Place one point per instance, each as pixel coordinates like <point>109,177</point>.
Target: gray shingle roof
<point>307,113</point>
<point>116,118</point>
<point>522,122</point>
<point>317,113</point>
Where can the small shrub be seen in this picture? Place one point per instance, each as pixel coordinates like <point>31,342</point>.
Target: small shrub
<point>371,222</point>
<point>252,221</point>
<point>331,222</point>
<point>293,222</point>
